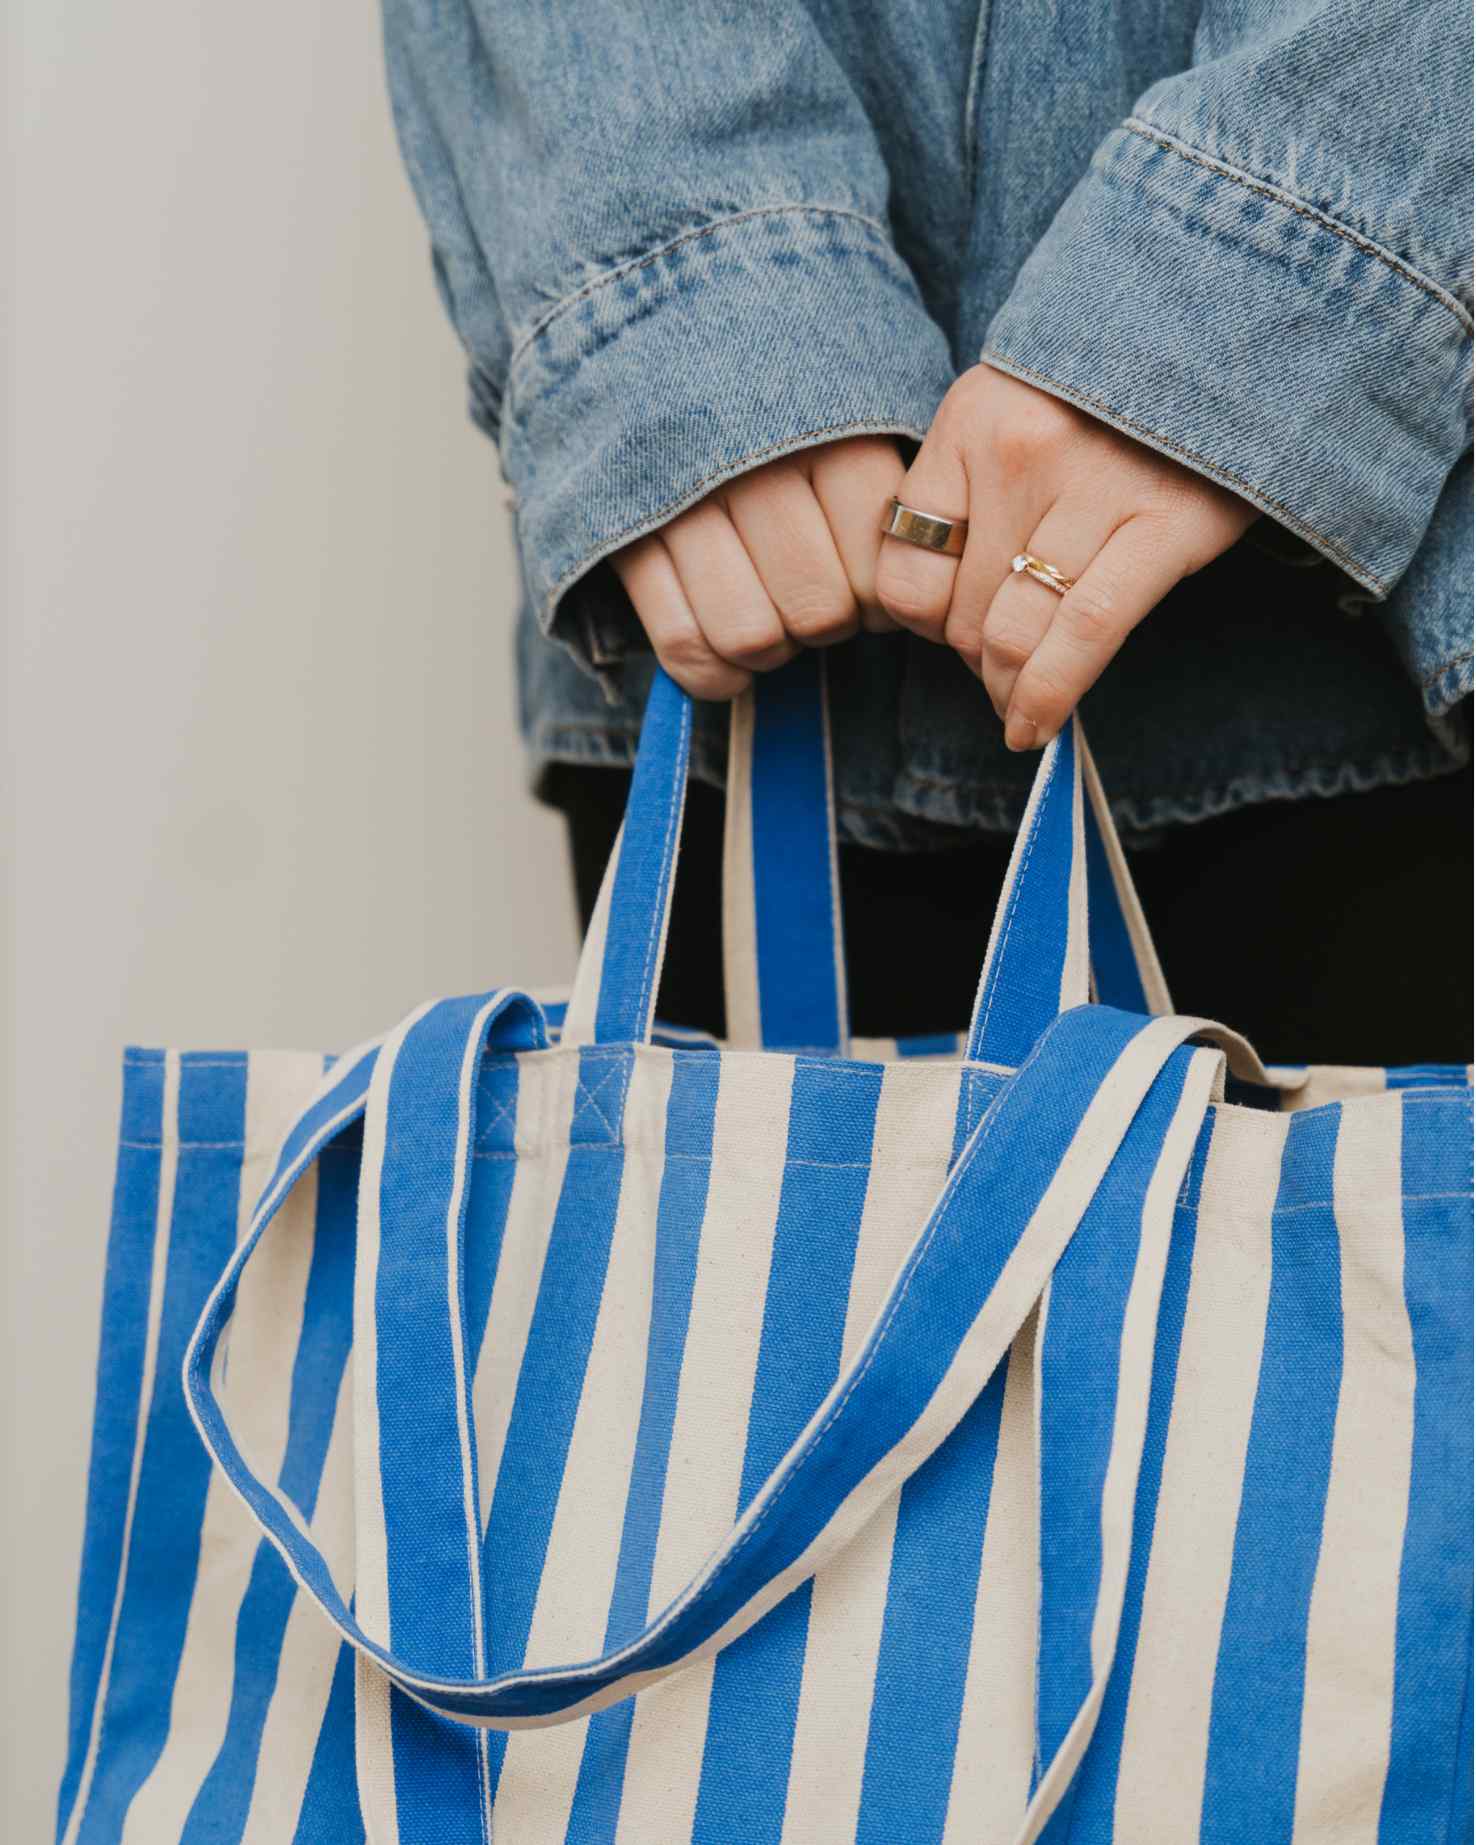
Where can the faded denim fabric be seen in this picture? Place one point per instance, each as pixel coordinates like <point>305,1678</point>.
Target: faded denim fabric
<point>679,241</point>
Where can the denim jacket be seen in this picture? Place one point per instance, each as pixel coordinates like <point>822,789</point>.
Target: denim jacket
<point>677,241</point>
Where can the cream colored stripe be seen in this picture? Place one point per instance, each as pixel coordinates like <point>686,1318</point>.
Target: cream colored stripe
<point>371,1583</point>
<point>740,924</point>
<point>1129,1424</point>
<point>1166,1735</point>
<point>163,1224</point>
<point>838,940</point>
<point>309,1655</point>
<point>584,995</point>
<point>705,1467</point>
<point>455,1293</point>
<point>1335,1082</point>
<point>996,1734</point>
<point>1150,972</point>
<point>374,1756</point>
<point>1348,1700</point>
<point>540,1769</point>
<point>985,1345</point>
<point>1013,871</point>
<point>546,1088</point>
<point>911,1144</point>
<point>257,1400</point>
<point>1076,963</point>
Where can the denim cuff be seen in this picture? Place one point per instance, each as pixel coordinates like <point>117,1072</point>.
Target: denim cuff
<point>760,334</point>
<point>1248,335</point>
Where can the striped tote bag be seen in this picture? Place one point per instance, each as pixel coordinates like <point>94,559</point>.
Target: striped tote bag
<point>539,1425</point>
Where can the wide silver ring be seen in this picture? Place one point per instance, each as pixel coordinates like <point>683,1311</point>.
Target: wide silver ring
<point>930,531</point>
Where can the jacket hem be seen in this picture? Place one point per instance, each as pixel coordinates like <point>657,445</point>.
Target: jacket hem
<point>923,812</point>
<point>1121,311</point>
<point>757,336</point>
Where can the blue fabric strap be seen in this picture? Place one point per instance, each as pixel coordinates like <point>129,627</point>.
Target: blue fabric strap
<point>1039,929</point>
<point>1046,931</point>
<point>1073,1118</point>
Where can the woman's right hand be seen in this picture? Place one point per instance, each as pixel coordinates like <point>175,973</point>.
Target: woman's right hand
<point>782,558</point>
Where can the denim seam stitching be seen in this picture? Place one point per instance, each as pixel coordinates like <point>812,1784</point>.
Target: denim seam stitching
<point>1268,189</point>
<point>971,102</point>
<point>706,230</point>
<point>1458,659</point>
<point>1360,572</point>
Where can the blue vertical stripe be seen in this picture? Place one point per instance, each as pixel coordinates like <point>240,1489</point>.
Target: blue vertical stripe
<point>797,927</point>
<point>330,1807</point>
<point>1080,1365</point>
<point>1085,1815</point>
<point>1022,994</point>
<point>1432,1649</point>
<point>756,1680</point>
<point>1256,1711</point>
<point>928,1624</point>
<point>1114,962</point>
<point>922,1664</point>
<point>489,1193</point>
<point>682,1206</point>
<point>165,1548</point>
<point>224,1800</point>
<point>426,1185</point>
<point>641,894</point>
<point>115,1427</point>
<point>551,1378</point>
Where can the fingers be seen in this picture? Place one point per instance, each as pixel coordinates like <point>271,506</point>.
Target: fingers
<point>723,590</point>
<point>1022,609</point>
<point>915,586</point>
<point>650,580</point>
<point>1132,572</point>
<point>784,529</point>
<point>780,558</point>
<point>854,483</point>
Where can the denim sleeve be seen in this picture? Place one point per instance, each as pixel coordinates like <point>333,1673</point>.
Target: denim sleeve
<point>1266,272</point>
<point>667,263</point>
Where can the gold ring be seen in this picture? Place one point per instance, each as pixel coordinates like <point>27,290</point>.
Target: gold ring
<point>929,530</point>
<point>1043,572</point>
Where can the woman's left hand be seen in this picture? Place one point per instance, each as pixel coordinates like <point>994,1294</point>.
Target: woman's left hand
<point>1033,475</point>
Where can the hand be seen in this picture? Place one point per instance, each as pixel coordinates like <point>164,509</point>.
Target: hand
<point>782,558</point>
<point>1032,474</point>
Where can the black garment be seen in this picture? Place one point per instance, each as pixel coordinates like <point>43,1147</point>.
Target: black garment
<point>1327,931</point>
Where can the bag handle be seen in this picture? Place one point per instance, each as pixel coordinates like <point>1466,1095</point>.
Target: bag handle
<point>1107,1106</point>
<point>784,961</point>
<point>780,859</point>
<point>784,967</point>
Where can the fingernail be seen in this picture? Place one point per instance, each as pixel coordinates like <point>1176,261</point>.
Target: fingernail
<point>1019,732</point>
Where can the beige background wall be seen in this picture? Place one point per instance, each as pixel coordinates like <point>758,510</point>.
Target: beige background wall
<point>260,693</point>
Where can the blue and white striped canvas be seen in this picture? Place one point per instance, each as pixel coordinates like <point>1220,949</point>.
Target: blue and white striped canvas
<point>540,1425</point>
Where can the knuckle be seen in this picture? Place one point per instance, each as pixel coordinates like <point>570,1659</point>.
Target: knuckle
<point>826,634</point>
<point>961,633</point>
<point>908,599</point>
<point>754,643</point>
<point>1042,695</point>
<point>1096,610</point>
<point>695,667</point>
<point>686,653</point>
<point>1035,426</point>
<point>971,388</point>
<point>829,618</point>
<point>1006,647</point>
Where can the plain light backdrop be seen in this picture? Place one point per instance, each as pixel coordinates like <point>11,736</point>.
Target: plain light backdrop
<point>267,784</point>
